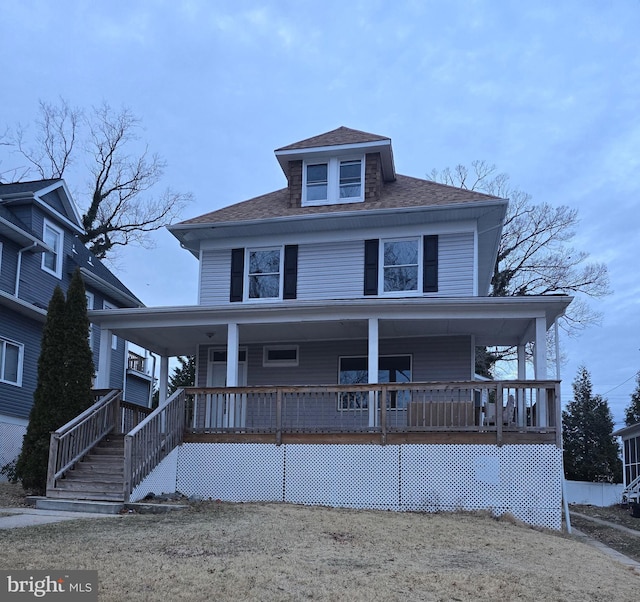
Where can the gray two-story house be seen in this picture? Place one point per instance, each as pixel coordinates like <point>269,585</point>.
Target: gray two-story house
<point>39,250</point>
<point>335,334</point>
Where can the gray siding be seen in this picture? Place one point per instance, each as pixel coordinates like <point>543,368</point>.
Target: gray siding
<point>335,270</point>
<point>331,270</point>
<point>8,266</point>
<point>433,359</point>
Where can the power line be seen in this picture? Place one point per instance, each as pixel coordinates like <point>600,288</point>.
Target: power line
<point>622,383</point>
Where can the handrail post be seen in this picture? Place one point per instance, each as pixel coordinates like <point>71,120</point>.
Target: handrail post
<point>52,463</point>
<point>558,409</point>
<point>127,468</point>
<point>499,415</point>
<point>117,417</point>
<point>382,402</point>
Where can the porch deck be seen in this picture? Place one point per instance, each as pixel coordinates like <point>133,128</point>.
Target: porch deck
<point>435,412</point>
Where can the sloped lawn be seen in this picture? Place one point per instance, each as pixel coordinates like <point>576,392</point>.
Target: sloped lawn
<point>268,552</point>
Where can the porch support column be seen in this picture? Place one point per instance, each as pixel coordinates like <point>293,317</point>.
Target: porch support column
<point>164,379</point>
<point>104,360</point>
<point>522,375</point>
<point>372,368</point>
<point>233,344</point>
<point>540,363</point>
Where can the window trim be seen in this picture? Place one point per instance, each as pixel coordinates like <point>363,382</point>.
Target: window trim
<point>420,266</point>
<point>114,338</point>
<point>247,274</point>
<point>269,363</point>
<point>57,272</point>
<point>333,180</point>
<point>3,342</point>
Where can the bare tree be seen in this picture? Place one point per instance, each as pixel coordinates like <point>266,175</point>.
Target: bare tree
<point>535,256</point>
<point>121,205</point>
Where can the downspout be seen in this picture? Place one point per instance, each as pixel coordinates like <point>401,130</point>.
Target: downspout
<point>31,247</point>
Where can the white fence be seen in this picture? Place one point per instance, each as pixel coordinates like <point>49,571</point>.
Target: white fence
<point>11,434</point>
<point>594,494</point>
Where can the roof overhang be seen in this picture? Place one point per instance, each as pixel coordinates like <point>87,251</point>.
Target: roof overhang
<point>109,290</point>
<point>628,431</point>
<point>319,152</point>
<point>172,331</point>
<point>22,307</point>
<point>21,236</point>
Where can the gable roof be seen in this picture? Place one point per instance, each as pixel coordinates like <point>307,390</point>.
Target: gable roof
<point>404,192</point>
<point>337,137</point>
<point>52,195</point>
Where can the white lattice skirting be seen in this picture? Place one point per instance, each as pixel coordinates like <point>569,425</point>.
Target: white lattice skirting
<point>11,436</point>
<point>525,480</point>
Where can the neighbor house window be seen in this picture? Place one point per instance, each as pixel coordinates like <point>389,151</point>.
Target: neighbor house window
<point>280,355</point>
<point>391,369</point>
<point>400,265</point>
<point>54,239</point>
<point>333,181</point>
<point>264,273</point>
<point>11,358</point>
<point>90,306</point>
<point>632,459</point>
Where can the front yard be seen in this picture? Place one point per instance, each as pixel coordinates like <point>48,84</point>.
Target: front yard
<point>268,552</point>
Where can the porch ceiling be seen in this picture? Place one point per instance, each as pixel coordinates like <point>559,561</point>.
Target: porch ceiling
<point>172,331</point>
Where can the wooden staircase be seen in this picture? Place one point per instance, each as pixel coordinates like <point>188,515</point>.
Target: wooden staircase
<point>99,475</point>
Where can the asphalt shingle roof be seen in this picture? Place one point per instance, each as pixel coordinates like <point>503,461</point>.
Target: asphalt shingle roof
<point>405,191</point>
<point>341,135</point>
<point>33,186</point>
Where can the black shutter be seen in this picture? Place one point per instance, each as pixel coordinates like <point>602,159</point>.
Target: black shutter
<point>371,266</point>
<point>430,264</point>
<point>290,271</point>
<point>237,275</point>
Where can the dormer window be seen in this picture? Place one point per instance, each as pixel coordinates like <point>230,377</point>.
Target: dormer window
<point>333,181</point>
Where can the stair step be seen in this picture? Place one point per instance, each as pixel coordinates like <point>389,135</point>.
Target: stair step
<point>87,477</point>
<point>89,487</point>
<point>74,505</point>
<point>61,494</point>
<point>99,468</point>
<point>108,451</point>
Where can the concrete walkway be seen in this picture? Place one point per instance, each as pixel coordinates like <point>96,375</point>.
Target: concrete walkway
<point>29,517</point>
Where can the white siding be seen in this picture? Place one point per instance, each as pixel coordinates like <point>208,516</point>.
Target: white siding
<point>215,277</point>
<point>455,265</point>
<point>331,270</point>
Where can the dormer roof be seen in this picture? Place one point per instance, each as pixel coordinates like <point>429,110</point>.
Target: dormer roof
<point>337,142</point>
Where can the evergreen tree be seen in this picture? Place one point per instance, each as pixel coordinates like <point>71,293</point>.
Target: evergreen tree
<point>78,364</point>
<point>591,452</point>
<point>632,412</point>
<point>31,466</point>
<point>65,371</point>
<point>183,375</point>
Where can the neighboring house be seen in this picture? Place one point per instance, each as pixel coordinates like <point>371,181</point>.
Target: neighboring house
<point>631,461</point>
<point>335,336</point>
<point>39,249</point>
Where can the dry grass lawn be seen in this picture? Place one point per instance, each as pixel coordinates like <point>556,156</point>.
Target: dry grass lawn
<point>268,552</point>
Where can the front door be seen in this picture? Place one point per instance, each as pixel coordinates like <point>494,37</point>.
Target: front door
<point>218,413</point>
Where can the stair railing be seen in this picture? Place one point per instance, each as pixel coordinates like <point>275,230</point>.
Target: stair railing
<point>73,440</point>
<point>632,490</point>
<point>152,440</point>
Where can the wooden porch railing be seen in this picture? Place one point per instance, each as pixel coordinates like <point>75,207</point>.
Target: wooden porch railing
<point>497,407</point>
<point>73,440</point>
<point>152,440</point>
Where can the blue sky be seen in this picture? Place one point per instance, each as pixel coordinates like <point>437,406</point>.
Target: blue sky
<point>548,91</point>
